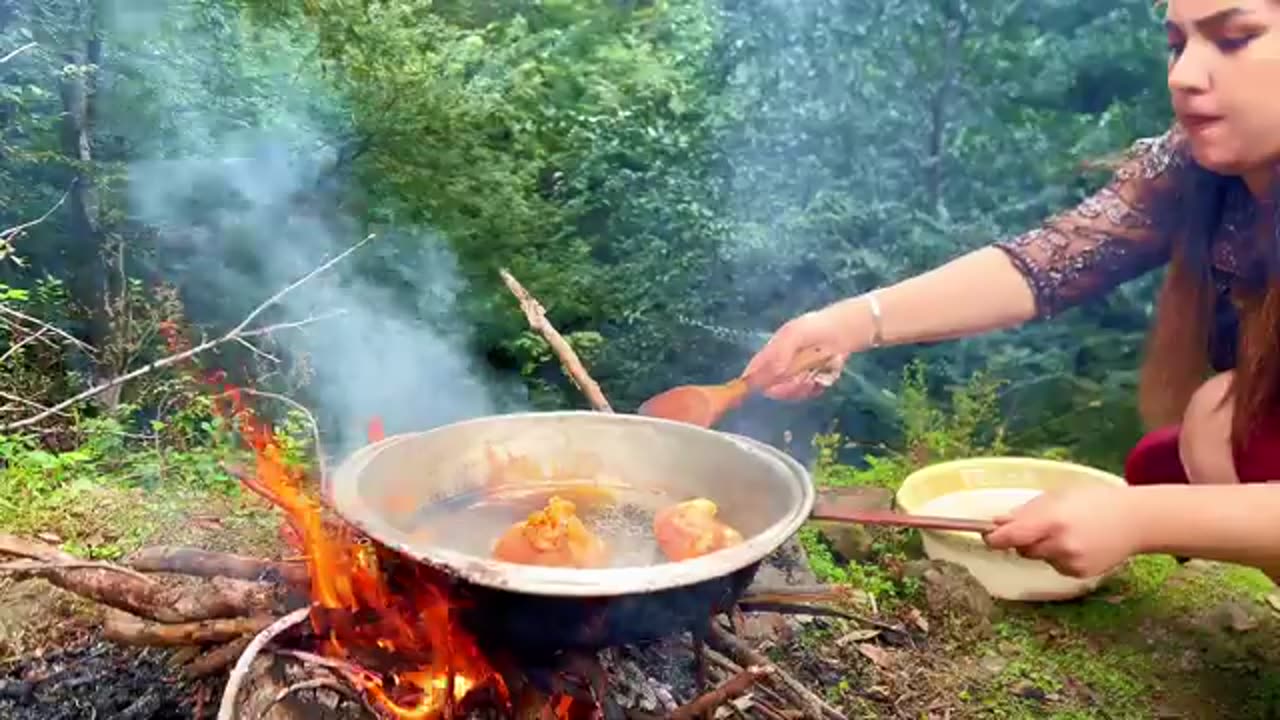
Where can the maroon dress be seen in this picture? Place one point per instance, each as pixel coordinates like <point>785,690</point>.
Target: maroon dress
<point>1127,229</point>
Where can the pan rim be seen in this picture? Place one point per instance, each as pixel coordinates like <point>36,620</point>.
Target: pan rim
<point>573,582</point>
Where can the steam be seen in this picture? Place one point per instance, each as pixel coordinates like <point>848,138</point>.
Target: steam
<point>244,205</point>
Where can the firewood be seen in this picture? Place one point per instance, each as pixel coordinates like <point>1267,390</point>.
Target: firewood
<point>216,659</point>
<point>273,689</point>
<point>814,706</point>
<point>217,598</point>
<point>730,689</point>
<point>204,563</point>
<point>127,629</point>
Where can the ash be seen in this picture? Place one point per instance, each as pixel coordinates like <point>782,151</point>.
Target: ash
<point>655,678</point>
<point>100,680</point>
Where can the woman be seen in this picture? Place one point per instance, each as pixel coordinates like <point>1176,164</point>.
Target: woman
<point>1200,198</point>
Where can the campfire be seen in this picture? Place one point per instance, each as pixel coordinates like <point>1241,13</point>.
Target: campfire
<point>382,634</point>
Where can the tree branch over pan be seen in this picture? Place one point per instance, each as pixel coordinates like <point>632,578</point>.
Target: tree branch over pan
<point>536,314</point>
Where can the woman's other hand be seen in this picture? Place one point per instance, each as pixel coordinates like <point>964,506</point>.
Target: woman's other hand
<point>829,328</point>
<point>1080,532</point>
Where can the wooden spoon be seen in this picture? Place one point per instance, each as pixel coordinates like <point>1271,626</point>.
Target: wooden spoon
<point>837,507</point>
<point>704,405</point>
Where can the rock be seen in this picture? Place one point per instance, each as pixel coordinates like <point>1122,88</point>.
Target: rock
<point>1234,616</point>
<point>1029,691</point>
<point>786,566</point>
<point>852,543</point>
<point>760,628</point>
<point>993,664</point>
<point>953,595</point>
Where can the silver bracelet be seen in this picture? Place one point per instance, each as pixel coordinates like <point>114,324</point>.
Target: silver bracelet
<point>877,321</point>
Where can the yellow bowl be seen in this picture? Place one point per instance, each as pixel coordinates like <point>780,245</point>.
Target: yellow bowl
<point>983,488</point>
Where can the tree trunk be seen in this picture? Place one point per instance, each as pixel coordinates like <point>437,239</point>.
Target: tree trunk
<point>77,87</point>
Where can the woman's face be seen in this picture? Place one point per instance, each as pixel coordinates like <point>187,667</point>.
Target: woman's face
<point>1224,78</point>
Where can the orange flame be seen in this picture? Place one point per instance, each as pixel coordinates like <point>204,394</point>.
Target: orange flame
<point>354,606</point>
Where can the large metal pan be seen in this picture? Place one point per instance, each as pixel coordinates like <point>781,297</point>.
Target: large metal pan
<point>765,494</point>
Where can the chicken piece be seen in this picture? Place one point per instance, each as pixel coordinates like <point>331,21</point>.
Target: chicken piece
<point>553,536</point>
<point>690,529</point>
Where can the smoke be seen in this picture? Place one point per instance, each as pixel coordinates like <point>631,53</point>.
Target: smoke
<point>242,179</point>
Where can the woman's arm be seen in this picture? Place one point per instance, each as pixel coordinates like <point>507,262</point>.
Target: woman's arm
<point>1073,257</point>
<point>1228,523</point>
<point>975,293</point>
<point>1077,255</point>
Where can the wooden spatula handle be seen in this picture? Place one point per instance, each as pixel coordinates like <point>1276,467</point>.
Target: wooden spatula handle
<point>834,513</point>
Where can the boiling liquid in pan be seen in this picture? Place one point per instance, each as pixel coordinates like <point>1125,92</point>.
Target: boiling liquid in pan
<point>620,516</point>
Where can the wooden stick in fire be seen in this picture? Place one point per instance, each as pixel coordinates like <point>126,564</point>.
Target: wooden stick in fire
<point>536,314</point>
<point>726,692</point>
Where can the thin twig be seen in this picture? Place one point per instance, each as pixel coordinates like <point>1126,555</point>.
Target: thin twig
<point>313,684</point>
<point>713,699</point>
<point>536,315</point>
<point>17,52</point>
<point>257,350</point>
<point>814,705</point>
<point>238,331</point>
<point>27,566</point>
<point>5,309</point>
<point>8,235</point>
<point>311,419</point>
<point>23,401</point>
<point>331,663</point>
<point>18,346</point>
<point>230,694</point>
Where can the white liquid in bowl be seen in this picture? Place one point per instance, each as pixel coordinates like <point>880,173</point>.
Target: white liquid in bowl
<point>978,503</point>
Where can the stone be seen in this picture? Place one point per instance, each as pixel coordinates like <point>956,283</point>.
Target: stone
<point>850,542</point>
<point>786,566</point>
<point>1234,616</point>
<point>953,595</point>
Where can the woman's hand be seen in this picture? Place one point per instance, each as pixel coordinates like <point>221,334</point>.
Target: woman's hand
<point>1080,532</point>
<point>829,328</point>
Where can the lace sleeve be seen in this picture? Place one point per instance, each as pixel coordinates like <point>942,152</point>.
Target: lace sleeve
<point>1109,238</point>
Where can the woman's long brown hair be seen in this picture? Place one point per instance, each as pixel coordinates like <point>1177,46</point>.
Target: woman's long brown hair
<point>1177,355</point>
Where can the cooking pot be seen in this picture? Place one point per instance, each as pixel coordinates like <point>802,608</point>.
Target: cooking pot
<point>384,488</point>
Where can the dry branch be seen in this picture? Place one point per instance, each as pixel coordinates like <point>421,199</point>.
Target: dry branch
<point>127,629</point>
<point>17,52</point>
<point>208,564</point>
<point>22,547</point>
<point>7,236</point>
<point>537,317</point>
<point>731,689</point>
<point>22,317</point>
<point>227,710</point>
<point>239,331</point>
<point>13,350</point>
<point>747,657</point>
<point>29,566</point>
<point>121,589</point>
<point>216,659</point>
